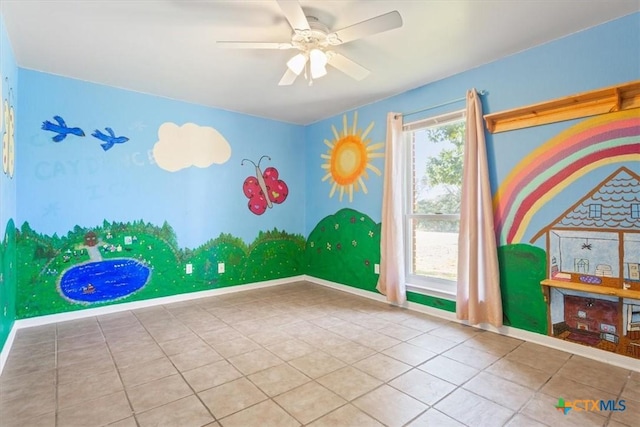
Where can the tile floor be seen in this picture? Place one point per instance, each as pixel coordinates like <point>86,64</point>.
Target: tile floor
<point>290,355</point>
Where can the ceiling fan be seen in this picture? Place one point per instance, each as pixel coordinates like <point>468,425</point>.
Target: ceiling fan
<point>315,41</point>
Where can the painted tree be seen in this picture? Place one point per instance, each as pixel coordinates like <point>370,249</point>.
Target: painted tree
<point>26,229</point>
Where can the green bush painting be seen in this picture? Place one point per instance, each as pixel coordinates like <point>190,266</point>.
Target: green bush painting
<point>7,281</point>
<point>344,248</point>
<point>522,268</point>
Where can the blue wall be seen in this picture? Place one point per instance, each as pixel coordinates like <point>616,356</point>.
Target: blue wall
<point>9,96</point>
<point>594,58</point>
<point>75,182</point>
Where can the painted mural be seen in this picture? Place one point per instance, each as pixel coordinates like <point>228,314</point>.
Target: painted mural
<point>181,147</point>
<point>109,139</point>
<point>586,258</point>
<point>522,268</point>
<point>264,189</point>
<point>60,129</point>
<point>348,158</point>
<point>123,262</point>
<point>549,169</point>
<point>344,248</point>
<point>8,136</point>
<point>7,281</point>
<point>596,243</point>
<point>9,133</point>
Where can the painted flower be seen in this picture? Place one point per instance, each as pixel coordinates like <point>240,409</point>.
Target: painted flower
<point>362,218</point>
<point>354,243</point>
<point>353,220</point>
<point>339,246</point>
<point>312,244</point>
<point>370,233</point>
<point>366,262</point>
<point>328,246</point>
<point>336,226</point>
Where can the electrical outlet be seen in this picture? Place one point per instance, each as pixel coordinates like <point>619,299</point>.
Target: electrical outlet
<point>376,268</point>
<point>221,267</point>
<point>188,268</point>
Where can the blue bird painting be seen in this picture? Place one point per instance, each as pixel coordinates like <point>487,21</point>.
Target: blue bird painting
<point>61,129</point>
<point>109,140</point>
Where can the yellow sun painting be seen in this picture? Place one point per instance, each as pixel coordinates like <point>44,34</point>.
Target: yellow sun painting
<point>348,158</point>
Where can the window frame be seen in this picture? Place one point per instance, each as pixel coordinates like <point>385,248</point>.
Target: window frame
<point>417,283</point>
<point>595,210</point>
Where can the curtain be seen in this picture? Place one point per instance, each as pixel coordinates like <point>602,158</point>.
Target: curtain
<point>478,297</point>
<point>391,280</point>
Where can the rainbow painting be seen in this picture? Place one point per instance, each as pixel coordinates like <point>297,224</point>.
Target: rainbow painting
<point>603,140</point>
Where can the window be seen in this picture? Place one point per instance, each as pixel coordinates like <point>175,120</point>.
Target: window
<point>595,211</point>
<point>635,210</point>
<point>432,209</point>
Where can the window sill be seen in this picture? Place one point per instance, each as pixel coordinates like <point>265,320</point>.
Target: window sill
<point>431,291</point>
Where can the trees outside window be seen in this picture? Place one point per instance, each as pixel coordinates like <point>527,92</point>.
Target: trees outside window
<point>432,220</point>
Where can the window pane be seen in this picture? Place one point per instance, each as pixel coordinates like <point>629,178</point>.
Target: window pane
<point>433,204</point>
<point>437,168</point>
<point>434,243</point>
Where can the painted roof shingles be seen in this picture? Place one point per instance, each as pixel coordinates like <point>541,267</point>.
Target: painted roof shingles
<point>612,200</point>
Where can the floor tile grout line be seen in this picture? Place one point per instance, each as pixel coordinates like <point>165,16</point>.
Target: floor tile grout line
<point>619,395</point>
<point>246,376</point>
<point>272,398</point>
<point>124,389</point>
<point>56,381</point>
<point>179,373</point>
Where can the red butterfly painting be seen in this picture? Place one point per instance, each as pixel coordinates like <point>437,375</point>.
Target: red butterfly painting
<point>264,189</point>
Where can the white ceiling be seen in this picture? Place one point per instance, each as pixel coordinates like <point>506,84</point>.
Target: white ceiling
<point>168,47</point>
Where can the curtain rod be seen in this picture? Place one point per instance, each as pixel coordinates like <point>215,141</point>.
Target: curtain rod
<point>453,101</point>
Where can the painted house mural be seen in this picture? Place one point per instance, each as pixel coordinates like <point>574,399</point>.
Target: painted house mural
<point>597,241</point>
<point>593,252</point>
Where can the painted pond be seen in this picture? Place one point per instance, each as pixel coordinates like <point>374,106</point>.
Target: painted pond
<point>105,280</point>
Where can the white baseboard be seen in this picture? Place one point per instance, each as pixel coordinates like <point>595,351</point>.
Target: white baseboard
<point>545,340</point>
<point>4,354</point>
<point>116,308</point>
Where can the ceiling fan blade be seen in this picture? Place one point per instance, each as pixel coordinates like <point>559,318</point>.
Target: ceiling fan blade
<point>379,24</point>
<point>347,66</point>
<point>288,78</point>
<point>253,45</point>
<point>294,14</point>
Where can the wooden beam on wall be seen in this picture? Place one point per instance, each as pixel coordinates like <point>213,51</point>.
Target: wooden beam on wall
<point>600,101</point>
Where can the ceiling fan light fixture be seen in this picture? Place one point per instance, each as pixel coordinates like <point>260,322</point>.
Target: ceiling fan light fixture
<point>318,63</point>
<point>297,63</point>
